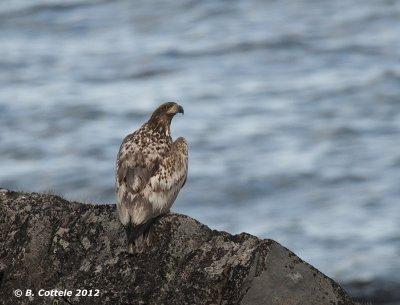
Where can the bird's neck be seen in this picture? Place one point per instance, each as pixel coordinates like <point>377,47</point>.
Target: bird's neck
<point>161,127</point>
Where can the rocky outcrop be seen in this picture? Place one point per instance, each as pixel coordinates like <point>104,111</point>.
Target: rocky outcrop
<point>48,243</point>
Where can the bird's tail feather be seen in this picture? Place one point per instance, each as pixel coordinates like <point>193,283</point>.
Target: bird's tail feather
<point>134,232</point>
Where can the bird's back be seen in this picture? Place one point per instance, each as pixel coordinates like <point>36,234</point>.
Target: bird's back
<point>137,162</point>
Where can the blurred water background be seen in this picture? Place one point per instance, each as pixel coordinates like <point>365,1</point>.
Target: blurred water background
<point>292,112</point>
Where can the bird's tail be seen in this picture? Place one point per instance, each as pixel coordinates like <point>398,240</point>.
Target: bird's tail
<point>134,233</point>
<point>129,237</point>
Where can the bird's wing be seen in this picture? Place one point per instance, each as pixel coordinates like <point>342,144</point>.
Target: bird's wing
<point>170,176</point>
<point>134,167</point>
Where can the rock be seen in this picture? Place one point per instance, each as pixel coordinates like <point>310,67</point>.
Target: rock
<point>49,243</point>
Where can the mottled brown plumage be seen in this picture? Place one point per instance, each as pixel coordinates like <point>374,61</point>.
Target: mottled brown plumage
<point>151,170</point>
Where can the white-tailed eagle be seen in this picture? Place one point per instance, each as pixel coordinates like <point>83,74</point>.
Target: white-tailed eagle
<point>151,170</point>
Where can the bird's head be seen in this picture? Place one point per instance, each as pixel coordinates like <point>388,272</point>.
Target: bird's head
<point>163,115</point>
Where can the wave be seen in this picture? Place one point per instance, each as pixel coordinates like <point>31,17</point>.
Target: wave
<point>240,47</point>
<point>31,8</point>
<point>375,291</point>
<point>138,75</point>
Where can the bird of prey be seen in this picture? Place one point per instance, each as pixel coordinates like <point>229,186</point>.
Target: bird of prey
<point>151,170</point>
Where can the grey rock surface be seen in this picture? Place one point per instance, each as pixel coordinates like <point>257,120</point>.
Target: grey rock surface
<point>49,243</point>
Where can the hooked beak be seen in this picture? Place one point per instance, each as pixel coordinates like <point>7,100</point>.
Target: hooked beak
<point>180,109</point>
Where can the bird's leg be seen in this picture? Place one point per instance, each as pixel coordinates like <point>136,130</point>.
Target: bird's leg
<point>140,244</point>
<point>150,234</point>
<point>138,235</point>
<point>130,248</point>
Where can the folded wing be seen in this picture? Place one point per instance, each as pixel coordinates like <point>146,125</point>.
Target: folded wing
<point>134,170</point>
<point>169,177</point>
